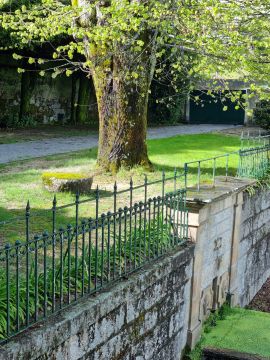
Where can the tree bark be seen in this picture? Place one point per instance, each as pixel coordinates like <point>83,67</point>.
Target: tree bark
<point>122,107</point>
<point>122,82</point>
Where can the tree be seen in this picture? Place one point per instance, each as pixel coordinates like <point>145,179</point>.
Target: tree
<point>122,43</point>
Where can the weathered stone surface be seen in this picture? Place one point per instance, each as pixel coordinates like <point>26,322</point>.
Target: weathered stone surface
<point>43,99</point>
<point>254,248</point>
<point>161,307</point>
<point>135,319</point>
<point>232,253</point>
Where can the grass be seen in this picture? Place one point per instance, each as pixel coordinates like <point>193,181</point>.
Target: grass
<point>241,330</point>
<point>22,181</point>
<point>11,136</point>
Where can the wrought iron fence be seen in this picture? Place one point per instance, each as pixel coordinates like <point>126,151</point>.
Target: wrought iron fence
<point>206,170</point>
<point>254,162</point>
<point>254,139</point>
<point>244,163</point>
<point>46,272</point>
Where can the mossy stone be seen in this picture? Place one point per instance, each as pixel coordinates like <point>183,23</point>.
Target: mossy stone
<point>67,182</point>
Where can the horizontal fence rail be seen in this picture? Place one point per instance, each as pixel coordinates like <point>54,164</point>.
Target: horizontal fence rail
<point>252,140</point>
<point>49,271</point>
<point>244,163</point>
<point>216,166</point>
<point>254,162</point>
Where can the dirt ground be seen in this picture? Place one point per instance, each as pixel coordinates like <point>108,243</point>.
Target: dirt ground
<point>261,302</point>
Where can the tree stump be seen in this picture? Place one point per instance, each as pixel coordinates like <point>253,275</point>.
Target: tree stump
<point>67,182</point>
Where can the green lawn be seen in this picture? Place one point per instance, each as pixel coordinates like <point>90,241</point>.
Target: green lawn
<point>21,181</point>
<point>241,330</point>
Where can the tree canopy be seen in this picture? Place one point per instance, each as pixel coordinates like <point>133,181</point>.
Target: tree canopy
<point>129,42</point>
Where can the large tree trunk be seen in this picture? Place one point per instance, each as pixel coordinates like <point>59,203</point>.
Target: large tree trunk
<point>122,80</point>
<point>122,120</point>
<point>122,106</point>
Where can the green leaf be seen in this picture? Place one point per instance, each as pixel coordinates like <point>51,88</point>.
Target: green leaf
<point>31,60</point>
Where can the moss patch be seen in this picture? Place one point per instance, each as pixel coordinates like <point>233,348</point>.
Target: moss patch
<point>48,176</point>
<point>242,330</point>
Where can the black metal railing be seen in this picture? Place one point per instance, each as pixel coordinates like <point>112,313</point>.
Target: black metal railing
<point>46,272</point>
<point>254,162</point>
<point>250,163</point>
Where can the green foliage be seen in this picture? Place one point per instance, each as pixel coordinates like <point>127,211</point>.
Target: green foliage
<point>236,329</point>
<point>241,330</point>
<point>262,115</point>
<point>15,122</point>
<point>199,39</point>
<point>208,326</point>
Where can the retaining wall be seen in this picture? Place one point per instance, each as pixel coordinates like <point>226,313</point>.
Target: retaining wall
<point>145,317</point>
<point>232,253</point>
<point>160,309</point>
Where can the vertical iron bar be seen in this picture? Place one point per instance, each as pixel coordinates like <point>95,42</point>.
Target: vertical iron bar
<point>158,224</point>
<point>227,166</point>
<point>76,244</point>
<point>83,225</point>
<point>53,252</point>
<point>114,228</point>
<point>155,225</point>
<point>61,239</point>
<point>7,250</point>
<point>145,208</point>
<point>214,171</point>
<point>149,228</point>
<point>90,221</point>
<point>27,216</point>
<point>36,238</point>
<point>96,241</point>
<point>140,231</point>
<point>69,229</point>
<point>109,246</point>
<point>130,222</point>
<point>162,205</point>
<point>102,250</point>
<point>120,211</point>
<point>125,239</point>
<point>135,234</point>
<point>174,179</point>
<point>45,238</point>
<point>199,175</point>
<point>185,174</point>
<point>17,247</point>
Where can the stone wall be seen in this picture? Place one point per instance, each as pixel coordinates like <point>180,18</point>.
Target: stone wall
<point>145,317</point>
<point>254,246</point>
<point>29,98</point>
<point>160,309</point>
<point>232,253</point>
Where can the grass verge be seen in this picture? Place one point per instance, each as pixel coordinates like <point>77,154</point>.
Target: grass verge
<point>22,181</point>
<point>238,329</point>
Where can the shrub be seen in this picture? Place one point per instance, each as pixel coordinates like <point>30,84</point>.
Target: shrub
<point>262,115</point>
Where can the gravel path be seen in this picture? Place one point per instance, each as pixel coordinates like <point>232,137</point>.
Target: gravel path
<point>34,149</point>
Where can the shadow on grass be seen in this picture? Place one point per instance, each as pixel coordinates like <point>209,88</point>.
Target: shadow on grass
<point>220,170</point>
<point>13,222</point>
